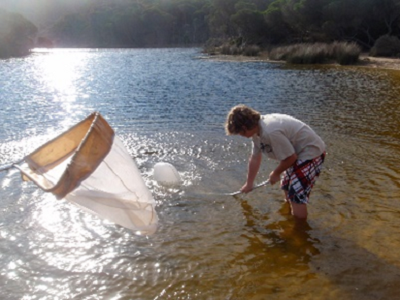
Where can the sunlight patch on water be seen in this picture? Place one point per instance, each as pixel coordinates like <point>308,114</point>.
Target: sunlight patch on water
<point>59,70</point>
<point>14,151</point>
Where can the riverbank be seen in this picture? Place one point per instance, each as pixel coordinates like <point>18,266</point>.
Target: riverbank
<point>379,62</point>
<point>364,60</point>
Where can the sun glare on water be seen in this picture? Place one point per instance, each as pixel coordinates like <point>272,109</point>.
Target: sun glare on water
<point>60,69</point>
<point>62,76</point>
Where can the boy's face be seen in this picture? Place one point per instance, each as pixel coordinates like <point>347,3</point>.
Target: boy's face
<point>248,133</point>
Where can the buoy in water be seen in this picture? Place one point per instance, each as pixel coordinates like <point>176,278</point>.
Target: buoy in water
<point>166,174</point>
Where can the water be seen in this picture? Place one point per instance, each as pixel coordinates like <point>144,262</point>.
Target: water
<point>170,105</point>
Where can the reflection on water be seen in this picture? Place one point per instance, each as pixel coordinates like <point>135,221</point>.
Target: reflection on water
<point>281,250</point>
<point>168,105</point>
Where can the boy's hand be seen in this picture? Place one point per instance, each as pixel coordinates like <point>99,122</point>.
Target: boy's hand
<point>246,188</point>
<point>274,178</point>
<point>275,175</point>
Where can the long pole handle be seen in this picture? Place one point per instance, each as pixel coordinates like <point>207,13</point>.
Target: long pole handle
<point>9,166</point>
<point>6,167</point>
<point>255,187</point>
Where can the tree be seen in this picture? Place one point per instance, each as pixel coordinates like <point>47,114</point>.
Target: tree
<point>387,14</point>
<point>17,34</point>
<point>146,23</point>
<point>349,20</point>
<point>158,26</point>
<point>279,31</point>
<point>219,18</point>
<point>250,23</point>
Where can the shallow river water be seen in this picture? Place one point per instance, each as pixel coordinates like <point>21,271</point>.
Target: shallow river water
<point>170,105</point>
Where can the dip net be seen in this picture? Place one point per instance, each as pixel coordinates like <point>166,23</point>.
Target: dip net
<point>89,166</point>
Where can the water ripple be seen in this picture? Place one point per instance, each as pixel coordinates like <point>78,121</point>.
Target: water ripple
<point>168,105</point>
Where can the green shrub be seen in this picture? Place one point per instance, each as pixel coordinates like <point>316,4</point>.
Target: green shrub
<point>212,46</point>
<point>386,45</point>
<point>229,49</point>
<point>251,50</point>
<point>233,46</point>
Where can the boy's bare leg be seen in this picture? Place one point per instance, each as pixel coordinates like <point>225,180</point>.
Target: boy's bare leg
<point>286,208</point>
<point>298,210</point>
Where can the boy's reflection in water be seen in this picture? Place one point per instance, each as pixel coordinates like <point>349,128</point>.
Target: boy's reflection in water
<point>288,238</point>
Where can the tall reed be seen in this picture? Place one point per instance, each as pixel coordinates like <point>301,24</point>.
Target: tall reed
<point>317,53</point>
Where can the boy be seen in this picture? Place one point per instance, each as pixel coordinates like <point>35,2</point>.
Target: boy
<point>299,150</point>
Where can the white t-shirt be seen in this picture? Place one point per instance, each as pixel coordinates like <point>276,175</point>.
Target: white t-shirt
<point>282,135</point>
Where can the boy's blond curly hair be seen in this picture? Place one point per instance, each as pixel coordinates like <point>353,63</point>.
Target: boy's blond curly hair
<point>241,117</point>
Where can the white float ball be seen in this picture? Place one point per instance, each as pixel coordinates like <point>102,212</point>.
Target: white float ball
<point>166,174</point>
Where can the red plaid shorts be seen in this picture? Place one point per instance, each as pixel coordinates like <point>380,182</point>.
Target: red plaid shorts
<point>299,179</point>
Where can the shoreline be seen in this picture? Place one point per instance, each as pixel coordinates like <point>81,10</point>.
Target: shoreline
<point>365,61</point>
<point>379,62</point>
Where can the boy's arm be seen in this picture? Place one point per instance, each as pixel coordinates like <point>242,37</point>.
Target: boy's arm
<point>253,167</point>
<point>275,175</point>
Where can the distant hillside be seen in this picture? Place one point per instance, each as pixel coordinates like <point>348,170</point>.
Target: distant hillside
<point>128,23</point>
<point>17,34</point>
<point>235,24</point>
<point>43,13</point>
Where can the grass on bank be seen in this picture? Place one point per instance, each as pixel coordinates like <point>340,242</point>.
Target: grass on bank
<point>318,53</point>
<point>304,53</point>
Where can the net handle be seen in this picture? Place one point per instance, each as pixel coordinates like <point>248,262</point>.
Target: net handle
<point>7,167</point>
<point>255,187</point>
